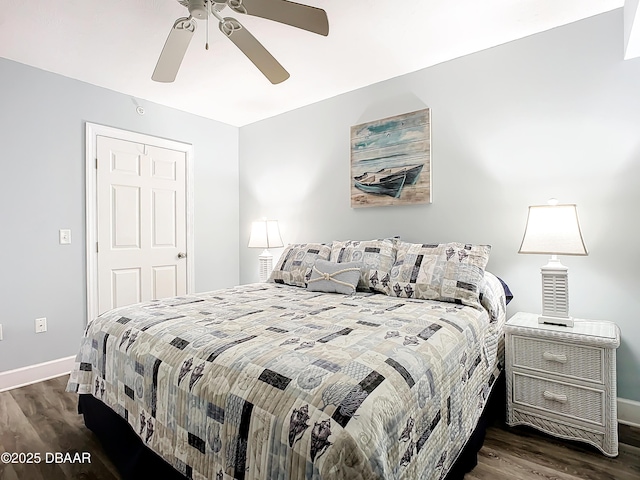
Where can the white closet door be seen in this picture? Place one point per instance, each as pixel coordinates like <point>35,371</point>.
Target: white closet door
<point>141,205</point>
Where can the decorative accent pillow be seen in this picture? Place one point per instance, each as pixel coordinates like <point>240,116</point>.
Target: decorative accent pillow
<point>295,263</point>
<point>376,256</point>
<point>449,272</point>
<point>493,296</point>
<point>331,277</point>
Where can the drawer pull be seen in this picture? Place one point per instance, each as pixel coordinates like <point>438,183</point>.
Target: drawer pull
<point>554,357</point>
<point>554,396</point>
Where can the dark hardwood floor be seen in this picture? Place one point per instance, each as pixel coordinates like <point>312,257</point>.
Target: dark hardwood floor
<point>43,418</point>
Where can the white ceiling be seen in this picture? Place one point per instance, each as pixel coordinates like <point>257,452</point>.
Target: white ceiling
<point>115,44</point>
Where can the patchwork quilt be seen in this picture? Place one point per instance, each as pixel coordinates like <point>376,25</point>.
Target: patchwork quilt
<point>268,381</point>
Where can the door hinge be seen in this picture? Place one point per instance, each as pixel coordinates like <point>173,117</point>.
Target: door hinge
<point>96,163</point>
<point>97,249</point>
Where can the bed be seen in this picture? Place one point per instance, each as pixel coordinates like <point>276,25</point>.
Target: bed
<point>291,379</point>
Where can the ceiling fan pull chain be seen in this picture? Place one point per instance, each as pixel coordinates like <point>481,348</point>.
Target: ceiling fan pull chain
<point>206,46</point>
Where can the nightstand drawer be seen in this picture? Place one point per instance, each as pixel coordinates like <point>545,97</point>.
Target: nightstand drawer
<point>565,399</point>
<point>566,359</point>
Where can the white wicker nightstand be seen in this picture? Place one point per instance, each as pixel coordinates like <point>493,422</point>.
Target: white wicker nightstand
<point>562,380</point>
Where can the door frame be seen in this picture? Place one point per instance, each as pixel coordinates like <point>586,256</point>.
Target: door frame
<point>92,131</point>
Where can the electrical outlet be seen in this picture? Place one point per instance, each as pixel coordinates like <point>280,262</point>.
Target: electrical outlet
<point>41,325</point>
<point>65,237</point>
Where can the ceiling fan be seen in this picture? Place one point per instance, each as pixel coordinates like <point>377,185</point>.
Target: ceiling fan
<point>297,15</point>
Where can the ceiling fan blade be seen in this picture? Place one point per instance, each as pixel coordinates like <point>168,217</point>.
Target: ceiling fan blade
<point>174,49</point>
<point>254,50</point>
<point>305,17</point>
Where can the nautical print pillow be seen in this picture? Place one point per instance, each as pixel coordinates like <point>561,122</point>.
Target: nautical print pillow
<point>493,296</point>
<point>448,272</point>
<point>377,258</point>
<point>295,263</point>
<point>331,277</point>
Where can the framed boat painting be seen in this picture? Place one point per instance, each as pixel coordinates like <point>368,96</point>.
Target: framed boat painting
<point>391,161</point>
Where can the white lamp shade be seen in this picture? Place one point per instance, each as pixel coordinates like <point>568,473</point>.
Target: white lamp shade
<point>265,234</point>
<point>554,230</point>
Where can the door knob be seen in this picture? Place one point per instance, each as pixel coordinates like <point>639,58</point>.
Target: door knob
<point>182,255</point>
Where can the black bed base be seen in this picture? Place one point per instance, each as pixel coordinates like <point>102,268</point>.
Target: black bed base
<point>134,460</point>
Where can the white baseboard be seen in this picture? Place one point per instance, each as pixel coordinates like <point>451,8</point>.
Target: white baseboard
<point>35,373</point>
<point>629,412</point>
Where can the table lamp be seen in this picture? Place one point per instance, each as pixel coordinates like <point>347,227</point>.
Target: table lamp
<point>554,230</point>
<point>265,234</point>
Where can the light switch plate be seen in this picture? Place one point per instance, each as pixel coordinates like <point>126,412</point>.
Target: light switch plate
<point>65,237</point>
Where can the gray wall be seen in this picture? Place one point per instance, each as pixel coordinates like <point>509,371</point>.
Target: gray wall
<point>552,115</point>
<point>42,187</point>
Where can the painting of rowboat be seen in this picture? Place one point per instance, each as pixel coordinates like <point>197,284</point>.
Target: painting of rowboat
<point>391,161</point>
